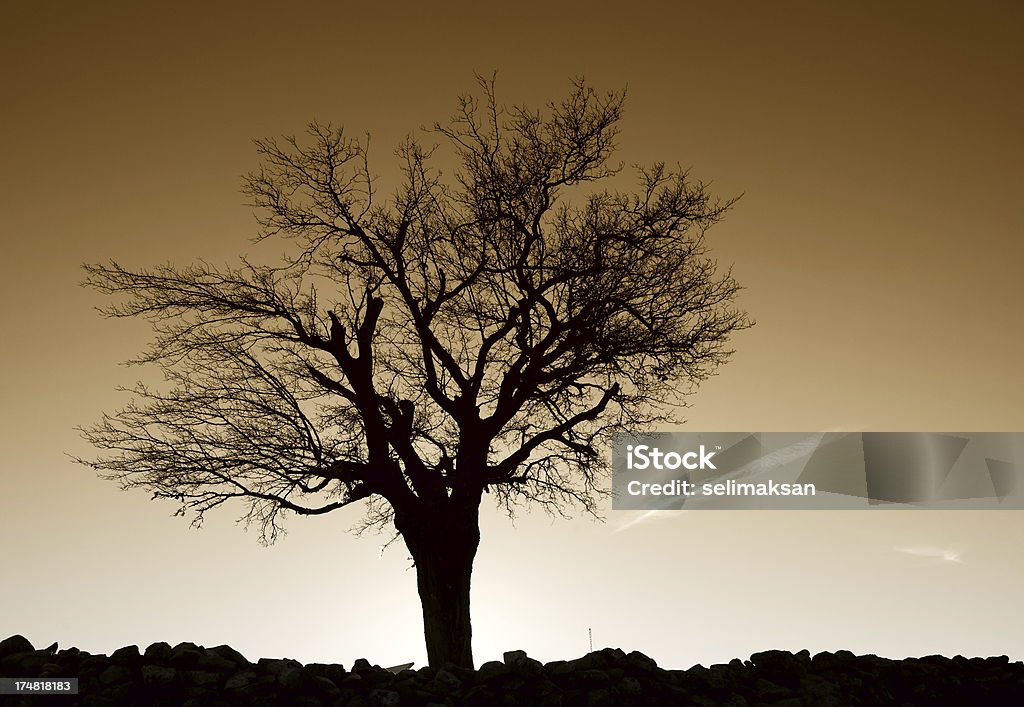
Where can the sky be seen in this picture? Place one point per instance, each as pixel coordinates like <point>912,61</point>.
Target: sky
<point>878,150</point>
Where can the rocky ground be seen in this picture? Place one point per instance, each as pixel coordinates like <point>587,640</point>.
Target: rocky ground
<point>190,675</point>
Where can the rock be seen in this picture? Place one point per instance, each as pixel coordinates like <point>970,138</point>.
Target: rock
<point>447,679</point>
<point>479,696</point>
<point>276,666</point>
<point>458,671</point>
<point>158,675</point>
<point>115,674</point>
<point>158,652</point>
<point>185,655</point>
<point>25,663</point>
<point>70,657</point>
<point>324,686</point>
<point>590,661</point>
<point>291,680</point>
<point>630,686</point>
<point>385,698</point>
<point>604,658</point>
<point>15,644</point>
<point>528,667</point>
<point>590,678</point>
<point>92,664</point>
<point>228,653</point>
<point>217,663</point>
<point>719,676</point>
<point>187,645</point>
<point>514,657</point>
<point>700,701</point>
<point>242,680</point>
<point>778,661</point>
<point>558,667</point>
<point>334,673</point>
<point>491,670</point>
<point>600,698</point>
<point>816,690</point>
<point>769,691</point>
<point>639,661</point>
<point>201,678</point>
<point>128,656</point>
<point>52,670</point>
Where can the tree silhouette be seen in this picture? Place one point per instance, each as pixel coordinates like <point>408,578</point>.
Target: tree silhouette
<point>470,335</point>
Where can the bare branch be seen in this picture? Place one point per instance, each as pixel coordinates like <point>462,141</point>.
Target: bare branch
<point>490,329</point>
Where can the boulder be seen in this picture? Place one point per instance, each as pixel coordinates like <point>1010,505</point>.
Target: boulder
<point>228,653</point>
<point>127,656</point>
<point>158,675</point>
<point>158,652</point>
<point>15,644</point>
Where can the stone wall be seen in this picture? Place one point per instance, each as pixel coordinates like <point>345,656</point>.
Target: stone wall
<point>189,675</point>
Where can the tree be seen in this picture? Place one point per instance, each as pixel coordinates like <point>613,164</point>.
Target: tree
<point>471,335</point>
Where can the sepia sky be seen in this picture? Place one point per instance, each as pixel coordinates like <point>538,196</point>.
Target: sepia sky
<point>879,237</point>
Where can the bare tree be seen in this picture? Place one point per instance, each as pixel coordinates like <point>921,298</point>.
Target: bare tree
<point>466,335</point>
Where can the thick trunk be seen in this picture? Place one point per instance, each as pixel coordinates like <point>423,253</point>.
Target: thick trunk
<point>443,542</point>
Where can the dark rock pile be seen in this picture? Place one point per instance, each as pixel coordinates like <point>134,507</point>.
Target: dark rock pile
<point>188,675</point>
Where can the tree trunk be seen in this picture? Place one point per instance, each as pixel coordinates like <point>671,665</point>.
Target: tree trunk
<point>443,541</point>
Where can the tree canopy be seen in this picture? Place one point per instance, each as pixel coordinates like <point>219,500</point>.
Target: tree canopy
<point>480,330</point>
